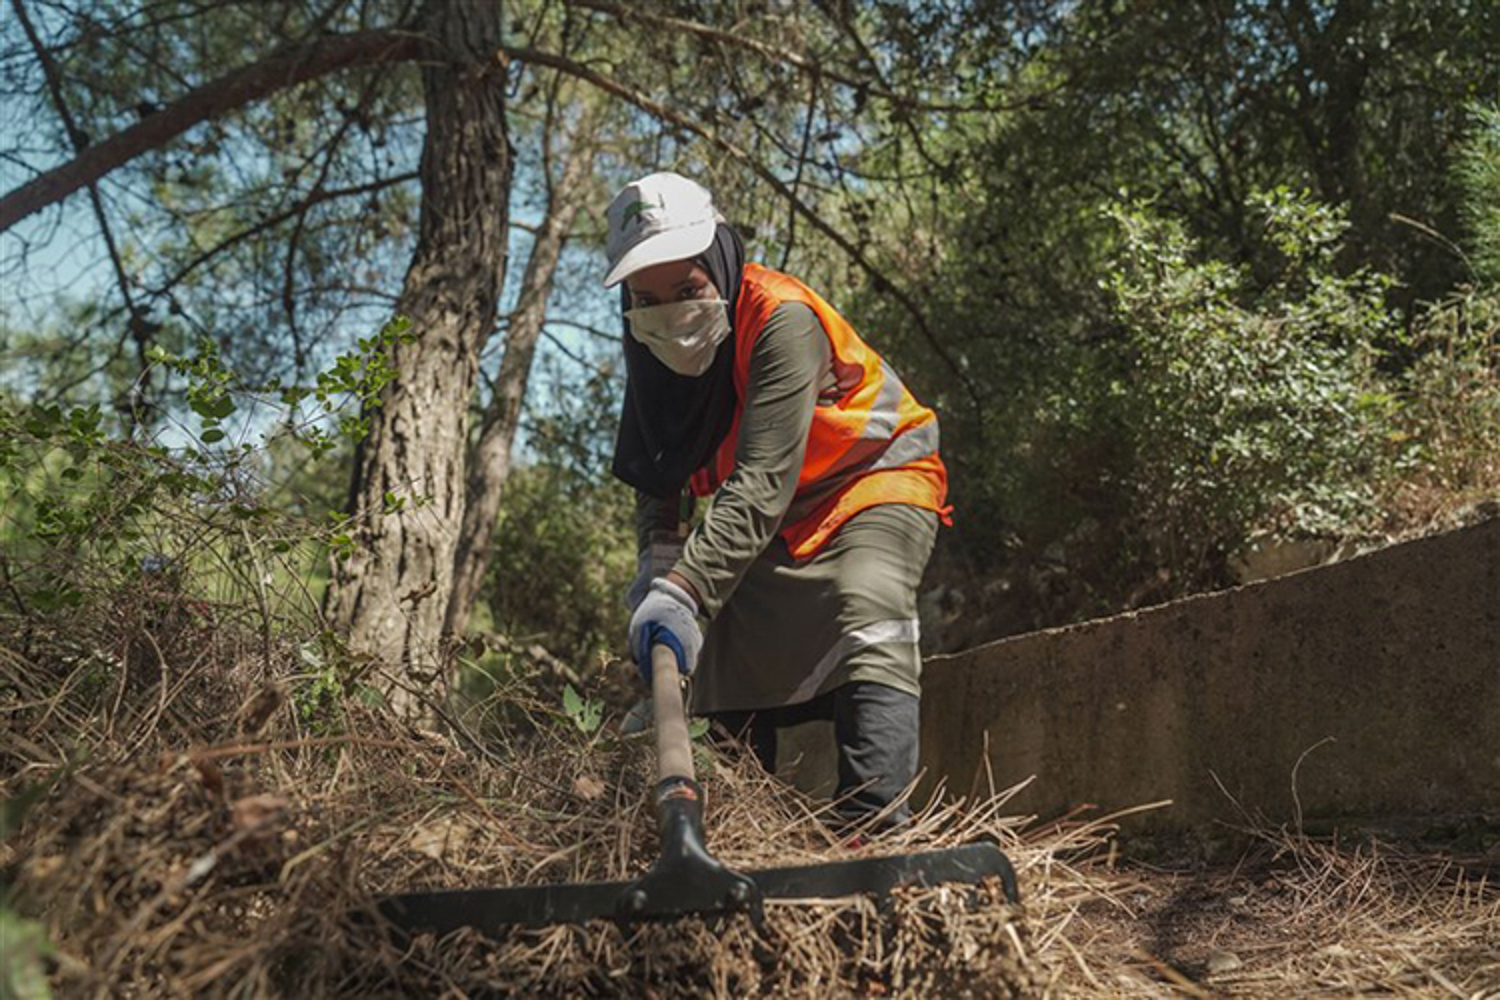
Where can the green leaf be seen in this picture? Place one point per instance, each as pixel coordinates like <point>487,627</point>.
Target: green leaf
<point>367,695</point>
<point>212,434</point>
<point>572,701</point>
<point>24,949</point>
<point>587,713</point>
<point>592,717</point>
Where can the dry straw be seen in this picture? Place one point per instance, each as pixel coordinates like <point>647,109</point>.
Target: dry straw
<point>197,835</point>
<point>200,838</point>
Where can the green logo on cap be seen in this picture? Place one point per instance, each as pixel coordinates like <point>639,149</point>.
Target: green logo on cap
<point>633,212</point>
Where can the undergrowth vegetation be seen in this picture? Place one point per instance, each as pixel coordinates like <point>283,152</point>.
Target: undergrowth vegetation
<point>1158,372</point>
<point>1224,406</point>
<point>1250,402</point>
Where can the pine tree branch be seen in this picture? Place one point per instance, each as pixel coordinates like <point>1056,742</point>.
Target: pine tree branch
<point>775,53</point>
<point>316,197</point>
<point>802,155</point>
<point>214,99</point>
<point>75,136</point>
<point>666,114</point>
<point>138,326</point>
<point>289,277</point>
<point>376,46</point>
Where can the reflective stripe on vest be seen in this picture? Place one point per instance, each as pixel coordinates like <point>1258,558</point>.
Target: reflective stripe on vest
<point>873,425</point>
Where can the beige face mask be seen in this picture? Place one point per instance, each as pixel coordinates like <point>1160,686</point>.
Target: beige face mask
<point>682,335</point>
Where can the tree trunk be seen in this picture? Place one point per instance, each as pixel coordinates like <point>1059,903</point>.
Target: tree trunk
<point>490,463</point>
<point>391,594</point>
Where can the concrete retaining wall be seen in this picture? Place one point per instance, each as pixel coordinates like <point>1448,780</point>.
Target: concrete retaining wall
<point>1394,655</point>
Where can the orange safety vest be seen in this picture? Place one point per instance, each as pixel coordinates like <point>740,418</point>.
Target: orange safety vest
<point>870,442</point>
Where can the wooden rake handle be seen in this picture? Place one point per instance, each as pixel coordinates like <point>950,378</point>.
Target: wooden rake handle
<point>674,750</point>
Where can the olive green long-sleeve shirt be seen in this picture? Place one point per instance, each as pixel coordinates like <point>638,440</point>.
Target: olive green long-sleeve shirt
<point>794,629</point>
<point>789,364</point>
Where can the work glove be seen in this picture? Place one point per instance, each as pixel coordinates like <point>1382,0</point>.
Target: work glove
<point>660,554</point>
<point>666,616</point>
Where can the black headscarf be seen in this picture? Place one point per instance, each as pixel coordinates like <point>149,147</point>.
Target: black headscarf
<point>670,423</point>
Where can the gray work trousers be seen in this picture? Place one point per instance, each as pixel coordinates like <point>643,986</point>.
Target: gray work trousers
<point>875,727</point>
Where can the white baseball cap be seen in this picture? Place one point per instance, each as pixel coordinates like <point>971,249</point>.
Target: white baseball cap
<point>658,218</point>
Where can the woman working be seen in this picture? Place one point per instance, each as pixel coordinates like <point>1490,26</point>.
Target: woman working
<point>826,487</point>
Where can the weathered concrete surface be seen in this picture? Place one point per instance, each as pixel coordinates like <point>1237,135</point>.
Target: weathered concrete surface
<point>1394,655</point>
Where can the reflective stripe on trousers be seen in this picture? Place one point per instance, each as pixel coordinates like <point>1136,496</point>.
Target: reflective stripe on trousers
<point>892,630</point>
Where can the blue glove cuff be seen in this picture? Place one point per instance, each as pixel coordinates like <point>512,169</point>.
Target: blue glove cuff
<point>656,634</point>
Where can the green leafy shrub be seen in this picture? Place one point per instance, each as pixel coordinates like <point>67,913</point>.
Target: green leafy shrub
<point>1478,170</point>
<point>564,552</point>
<point>141,558</point>
<point>1250,405</point>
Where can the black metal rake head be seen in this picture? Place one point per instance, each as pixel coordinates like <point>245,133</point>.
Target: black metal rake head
<point>686,879</point>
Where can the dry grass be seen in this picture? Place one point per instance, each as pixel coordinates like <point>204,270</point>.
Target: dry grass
<point>202,835</point>
<point>1296,917</point>
<point>240,870</point>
